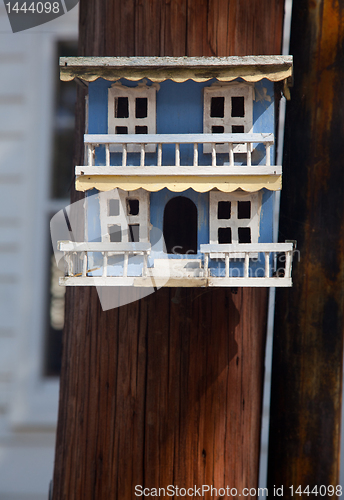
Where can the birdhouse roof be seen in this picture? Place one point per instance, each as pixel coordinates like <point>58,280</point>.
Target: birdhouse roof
<point>178,69</point>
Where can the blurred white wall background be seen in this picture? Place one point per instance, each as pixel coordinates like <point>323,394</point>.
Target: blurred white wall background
<point>32,126</point>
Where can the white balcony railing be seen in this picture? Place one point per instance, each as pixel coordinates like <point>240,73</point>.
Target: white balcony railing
<point>76,256</point>
<point>94,141</point>
<point>79,273</point>
<point>250,251</point>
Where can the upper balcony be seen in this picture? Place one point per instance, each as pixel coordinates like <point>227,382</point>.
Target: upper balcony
<point>177,161</point>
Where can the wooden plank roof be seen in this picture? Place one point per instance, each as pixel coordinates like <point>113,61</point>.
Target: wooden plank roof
<point>179,69</point>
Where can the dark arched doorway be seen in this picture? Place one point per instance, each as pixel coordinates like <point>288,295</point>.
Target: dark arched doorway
<point>180,226</point>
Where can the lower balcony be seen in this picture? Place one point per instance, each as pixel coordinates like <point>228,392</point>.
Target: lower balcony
<point>136,264</point>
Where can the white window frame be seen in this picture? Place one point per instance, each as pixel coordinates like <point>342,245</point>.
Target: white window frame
<point>142,90</point>
<point>228,91</point>
<point>124,219</point>
<point>234,223</point>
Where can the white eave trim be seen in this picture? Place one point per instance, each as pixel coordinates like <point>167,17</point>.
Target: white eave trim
<point>173,171</point>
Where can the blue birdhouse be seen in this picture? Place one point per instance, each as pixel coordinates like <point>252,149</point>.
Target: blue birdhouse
<point>179,172</point>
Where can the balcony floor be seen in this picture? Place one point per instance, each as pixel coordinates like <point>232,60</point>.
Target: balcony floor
<point>158,282</point>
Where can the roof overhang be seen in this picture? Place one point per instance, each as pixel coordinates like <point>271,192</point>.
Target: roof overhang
<point>177,184</point>
<point>178,69</point>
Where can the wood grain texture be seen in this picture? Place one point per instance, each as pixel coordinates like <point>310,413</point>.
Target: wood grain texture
<point>163,394</point>
<point>166,390</point>
<point>180,27</point>
<point>309,324</point>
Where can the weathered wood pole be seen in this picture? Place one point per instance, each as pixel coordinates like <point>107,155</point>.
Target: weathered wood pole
<point>166,390</point>
<point>309,323</point>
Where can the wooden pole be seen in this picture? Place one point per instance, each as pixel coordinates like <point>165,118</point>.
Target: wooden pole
<point>309,323</point>
<point>166,390</point>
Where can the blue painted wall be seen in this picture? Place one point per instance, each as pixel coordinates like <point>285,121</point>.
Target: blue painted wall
<point>157,204</point>
<point>180,110</point>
